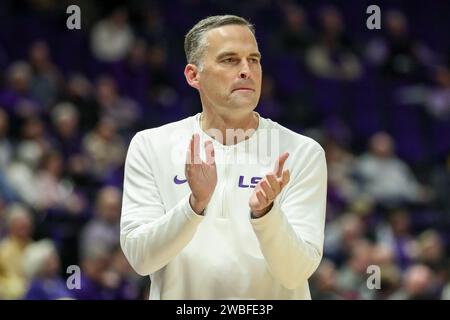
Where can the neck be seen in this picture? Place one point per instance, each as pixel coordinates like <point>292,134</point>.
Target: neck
<point>229,129</point>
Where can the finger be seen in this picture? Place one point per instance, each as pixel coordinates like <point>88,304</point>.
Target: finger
<point>274,183</point>
<point>196,149</point>
<point>189,153</point>
<point>262,199</point>
<point>285,179</point>
<point>270,194</point>
<point>210,154</point>
<point>280,163</point>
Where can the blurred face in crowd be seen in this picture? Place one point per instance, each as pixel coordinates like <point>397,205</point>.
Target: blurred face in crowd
<point>106,129</point>
<point>109,204</point>
<point>418,279</point>
<point>67,125</point>
<point>381,145</point>
<point>53,163</point>
<point>96,264</point>
<point>39,55</point>
<point>137,52</point>
<point>400,222</point>
<point>331,21</point>
<point>52,265</point>
<point>19,77</point>
<point>432,248</point>
<point>33,128</point>
<point>106,91</point>
<point>157,57</point>
<point>326,275</point>
<point>396,23</point>
<point>20,226</point>
<point>295,17</point>
<point>229,78</point>
<point>361,256</point>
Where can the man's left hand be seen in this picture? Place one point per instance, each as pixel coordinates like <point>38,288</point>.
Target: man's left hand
<point>269,188</point>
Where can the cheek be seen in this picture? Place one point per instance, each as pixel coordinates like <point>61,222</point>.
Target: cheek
<point>258,75</point>
<point>215,84</point>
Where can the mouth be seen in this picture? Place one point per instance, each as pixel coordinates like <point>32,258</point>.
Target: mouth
<point>244,89</point>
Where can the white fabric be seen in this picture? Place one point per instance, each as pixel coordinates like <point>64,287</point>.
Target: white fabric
<point>223,254</point>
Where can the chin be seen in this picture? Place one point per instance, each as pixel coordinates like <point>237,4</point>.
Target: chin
<point>244,103</point>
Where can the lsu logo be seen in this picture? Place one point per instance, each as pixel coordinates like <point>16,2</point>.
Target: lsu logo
<point>253,182</point>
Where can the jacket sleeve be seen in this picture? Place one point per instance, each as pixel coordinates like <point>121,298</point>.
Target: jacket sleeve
<point>291,234</point>
<point>150,237</point>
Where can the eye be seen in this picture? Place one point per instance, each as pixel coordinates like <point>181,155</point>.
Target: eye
<point>254,60</point>
<point>228,60</point>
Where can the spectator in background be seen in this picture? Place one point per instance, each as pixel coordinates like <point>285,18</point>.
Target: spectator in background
<point>398,54</point>
<point>383,257</point>
<point>132,75</point>
<point>102,276</point>
<point>55,192</point>
<point>105,149</point>
<point>79,91</point>
<point>6,149</point>
<point>352,277</point>
<point>441,186</point>
<point>162,89</point>
<point>65,121</point>
<point>103,229</point>
<point>418,284</point>
<point>324,282</point>
<point>16,97</point>
<point>268,104</point>
<point>342,233</point>
<point>340,163</point>
<point>437,101</point>
<point>295,36</point>
<point>446,292</point>
<point>432,254</point>
<point>41,265</point>
<point>153,26</point>
<point>7,193</point>
<point>21,173</point>
<point>397,234</point>
<point>34,133</point>
<point>111,38</point>
<point>20,228</point>
<point>122,110</point>
<point>46,79</point>
<point>95,262</point>
<point>127,282</point>
<point>384,177</point>
<point>332,56</point>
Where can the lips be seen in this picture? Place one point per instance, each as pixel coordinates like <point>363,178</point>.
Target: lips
<point>243,89</point>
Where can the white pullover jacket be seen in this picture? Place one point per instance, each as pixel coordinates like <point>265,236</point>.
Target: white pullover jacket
<point>224,254</point>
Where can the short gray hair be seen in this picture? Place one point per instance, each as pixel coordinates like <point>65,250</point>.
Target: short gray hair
<point>195,40</point>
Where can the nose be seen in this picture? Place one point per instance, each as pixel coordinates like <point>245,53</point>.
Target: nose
<point>245,71</point>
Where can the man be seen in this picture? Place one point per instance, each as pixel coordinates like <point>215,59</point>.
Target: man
<point>238,225</point>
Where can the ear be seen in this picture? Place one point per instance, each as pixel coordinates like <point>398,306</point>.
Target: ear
<point>191,73</point>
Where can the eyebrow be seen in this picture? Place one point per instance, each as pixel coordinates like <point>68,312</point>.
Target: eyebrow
<point>230,53</point>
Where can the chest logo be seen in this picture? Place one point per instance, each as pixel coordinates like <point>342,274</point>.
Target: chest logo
<point>251,184</point>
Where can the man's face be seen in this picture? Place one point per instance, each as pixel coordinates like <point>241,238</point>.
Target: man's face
<point>231,75</point>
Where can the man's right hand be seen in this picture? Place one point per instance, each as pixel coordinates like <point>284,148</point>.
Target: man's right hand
<point>201,176</point>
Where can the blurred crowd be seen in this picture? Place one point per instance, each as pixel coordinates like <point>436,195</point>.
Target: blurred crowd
<point>71,100</point>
